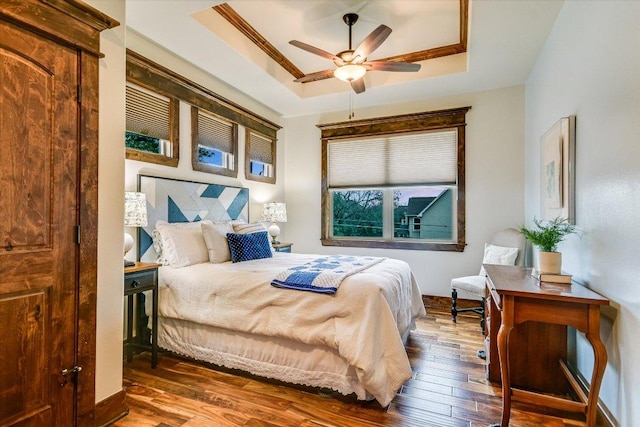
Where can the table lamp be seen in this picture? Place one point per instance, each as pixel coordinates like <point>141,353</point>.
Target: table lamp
<point>135,215</point>
<point>274,213</point>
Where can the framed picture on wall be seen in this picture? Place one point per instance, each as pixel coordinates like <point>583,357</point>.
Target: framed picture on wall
<point>557,174</point>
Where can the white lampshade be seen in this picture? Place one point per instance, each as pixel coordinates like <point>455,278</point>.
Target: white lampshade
<point>350,72</point>
<point>135,209</point>
<point>135,215</point>
<point>274,212</point>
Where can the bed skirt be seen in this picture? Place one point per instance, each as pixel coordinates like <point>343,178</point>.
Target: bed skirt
<point>276,358</point>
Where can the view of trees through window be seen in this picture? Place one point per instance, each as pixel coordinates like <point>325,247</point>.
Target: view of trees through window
<point>141,142</point>
<point>418,213</point>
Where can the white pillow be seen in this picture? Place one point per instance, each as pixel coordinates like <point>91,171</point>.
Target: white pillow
<point>215,237</point>
<point>498,255</point>
<point>182,243</point>
<point>254,227</point>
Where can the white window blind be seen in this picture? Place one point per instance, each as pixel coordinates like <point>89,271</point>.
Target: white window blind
<point>407,159</point>
<point>147,113</point>
<point>215,133</point>
<point>260,148</point>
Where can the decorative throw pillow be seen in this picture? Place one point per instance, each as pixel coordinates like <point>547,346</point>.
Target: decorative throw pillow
<point>498,255</point>
<point>245,247</point>
<point>215,237</point>
<point>183,243</point>
<point>254,227</point>
<point>157,246</point>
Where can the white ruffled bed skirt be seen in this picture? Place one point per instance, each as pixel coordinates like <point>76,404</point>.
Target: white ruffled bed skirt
<point>269,357</point>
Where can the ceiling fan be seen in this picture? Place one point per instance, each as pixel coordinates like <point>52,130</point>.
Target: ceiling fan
<point>352,64</point>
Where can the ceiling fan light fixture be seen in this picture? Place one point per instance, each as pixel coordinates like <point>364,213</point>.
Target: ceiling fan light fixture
<point>350,72</point>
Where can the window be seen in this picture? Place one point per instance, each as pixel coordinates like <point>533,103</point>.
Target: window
<point>152,129</point>
<point>395,182</point>
<point>214,144</point>
<point>260,157</point>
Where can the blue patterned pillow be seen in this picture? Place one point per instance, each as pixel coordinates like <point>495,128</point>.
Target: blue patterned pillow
<point>245,247</point>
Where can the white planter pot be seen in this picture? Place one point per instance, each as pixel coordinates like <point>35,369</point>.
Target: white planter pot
<point>550,262</point>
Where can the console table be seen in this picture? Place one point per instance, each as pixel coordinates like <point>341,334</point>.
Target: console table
<point>516,298</point>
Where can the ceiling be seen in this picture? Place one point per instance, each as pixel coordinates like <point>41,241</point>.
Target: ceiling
<point>503,40</point>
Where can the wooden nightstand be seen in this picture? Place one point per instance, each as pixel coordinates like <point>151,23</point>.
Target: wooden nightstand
<point>141,277</point>
<point>282,247</point>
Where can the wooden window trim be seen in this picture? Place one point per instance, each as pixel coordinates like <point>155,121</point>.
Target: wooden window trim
<point>415,122</point>
<point>247,159</point>
<point>202,167</point>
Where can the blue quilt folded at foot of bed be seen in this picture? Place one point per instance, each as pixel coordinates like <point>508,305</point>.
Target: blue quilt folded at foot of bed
<point>323,275</point>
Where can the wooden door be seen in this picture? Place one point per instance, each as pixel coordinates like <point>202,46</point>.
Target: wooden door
<point>39,196</point>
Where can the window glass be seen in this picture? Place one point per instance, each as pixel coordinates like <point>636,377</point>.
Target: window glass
<point>357,213</point>
<point>423,213</point>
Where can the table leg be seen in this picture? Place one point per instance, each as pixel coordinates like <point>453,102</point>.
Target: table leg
<point>503,353</point>
<point>129,327</point>
<point>154,329</point>
<point>599,363</point>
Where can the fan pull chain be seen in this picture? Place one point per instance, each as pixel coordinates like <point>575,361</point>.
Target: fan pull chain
<point>352,114</point>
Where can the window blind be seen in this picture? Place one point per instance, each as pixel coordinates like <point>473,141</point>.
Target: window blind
<point>260,148</point>
<point>147,114</point>
<point>417,158</point>
<point>215,133</point>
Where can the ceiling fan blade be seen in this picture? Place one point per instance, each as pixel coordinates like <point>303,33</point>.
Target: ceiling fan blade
<point>315,50</point>
<point>358,85</point>
<point>319,75</point>
<point>372,42</point>
<point>391,66</point>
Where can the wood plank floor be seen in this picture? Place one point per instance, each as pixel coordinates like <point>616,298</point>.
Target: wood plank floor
<point>448,389</point>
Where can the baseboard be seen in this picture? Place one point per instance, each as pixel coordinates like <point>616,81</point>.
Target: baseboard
<point>604,417</point>
<point>111,409</point>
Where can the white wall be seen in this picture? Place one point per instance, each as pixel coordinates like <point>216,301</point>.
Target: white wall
<point>590,67</point>
<point>110,204</point>
<point>494,181</point>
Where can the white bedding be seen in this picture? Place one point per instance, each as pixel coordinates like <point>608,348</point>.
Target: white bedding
<point>365,323</point>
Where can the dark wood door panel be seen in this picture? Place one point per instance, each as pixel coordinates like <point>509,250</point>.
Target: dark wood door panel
<point>39,149</point>
<point>23,387</point>
<point>26,92</point>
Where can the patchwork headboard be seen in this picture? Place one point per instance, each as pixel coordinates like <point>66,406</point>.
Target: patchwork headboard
<point>175,200</point>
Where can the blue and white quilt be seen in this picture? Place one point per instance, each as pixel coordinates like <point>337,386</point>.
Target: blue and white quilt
<point>323,275</point>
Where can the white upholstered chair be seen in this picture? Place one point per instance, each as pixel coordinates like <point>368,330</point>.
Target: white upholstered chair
<point>506,247</point>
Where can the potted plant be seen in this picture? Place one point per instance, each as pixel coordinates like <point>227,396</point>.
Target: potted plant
<point>547,236</point>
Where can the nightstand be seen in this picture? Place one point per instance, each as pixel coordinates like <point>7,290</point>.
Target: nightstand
<point>282,247</point>
<point>139,278</point>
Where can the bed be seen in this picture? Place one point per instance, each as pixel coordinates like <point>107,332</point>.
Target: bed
<point>229,313</point>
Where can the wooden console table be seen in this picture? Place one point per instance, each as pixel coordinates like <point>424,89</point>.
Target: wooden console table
<point>516,298</point>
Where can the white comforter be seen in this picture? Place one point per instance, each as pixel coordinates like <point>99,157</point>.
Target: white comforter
<point>366,321</point>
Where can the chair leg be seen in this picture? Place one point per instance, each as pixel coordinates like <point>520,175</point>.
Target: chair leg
<point>454,305</point>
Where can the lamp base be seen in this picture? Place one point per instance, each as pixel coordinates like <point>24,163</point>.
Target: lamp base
<point>274,230</point>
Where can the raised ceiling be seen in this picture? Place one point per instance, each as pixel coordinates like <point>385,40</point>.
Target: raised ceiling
<point>247,46</point>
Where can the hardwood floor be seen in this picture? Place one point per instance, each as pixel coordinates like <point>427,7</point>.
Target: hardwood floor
<point>448,389</point>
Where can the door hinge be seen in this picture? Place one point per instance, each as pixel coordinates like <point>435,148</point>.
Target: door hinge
<point>66,373</point>
<point>79,94</point>
<point>77,234</point>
